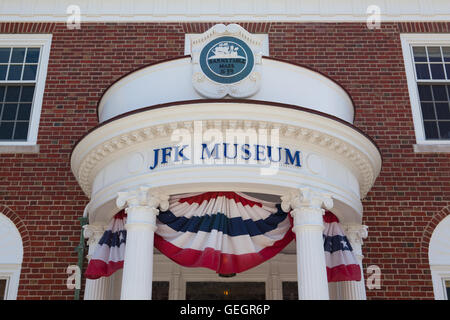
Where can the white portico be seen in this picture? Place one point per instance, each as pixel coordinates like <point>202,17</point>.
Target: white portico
<point>292,138</point>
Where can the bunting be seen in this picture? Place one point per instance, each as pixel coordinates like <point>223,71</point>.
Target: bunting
<point>228,232</point>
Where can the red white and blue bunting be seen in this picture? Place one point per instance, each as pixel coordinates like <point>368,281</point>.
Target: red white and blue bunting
<point>109,254</point>
<point>228,232</point>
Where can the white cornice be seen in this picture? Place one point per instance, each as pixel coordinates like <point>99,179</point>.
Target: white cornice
<point>220,10</point>
<point>118,137</point>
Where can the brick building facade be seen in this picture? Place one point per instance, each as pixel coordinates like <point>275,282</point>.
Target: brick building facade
<point>410,197</point>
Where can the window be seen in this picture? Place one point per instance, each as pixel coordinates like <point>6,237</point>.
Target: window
<point>427,65</point>
<point>23,68</point>
<point>11,254</point>
<point>160,290</point>
<point>225,290</point>
<point>3,286</point>
<point>429,62</point>
<point>439,259</point>
<point>290,290</point>
<point>447,289</point>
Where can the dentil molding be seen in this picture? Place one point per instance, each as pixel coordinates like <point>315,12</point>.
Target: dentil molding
<point>84,168</point>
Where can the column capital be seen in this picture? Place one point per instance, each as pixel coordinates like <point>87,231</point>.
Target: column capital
<point>305,197</point>
<point>143,196</point>
<point>355,233</point>
<point>93,233</point>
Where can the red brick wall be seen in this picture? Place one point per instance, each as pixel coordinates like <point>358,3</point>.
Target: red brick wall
<point>407,200</point>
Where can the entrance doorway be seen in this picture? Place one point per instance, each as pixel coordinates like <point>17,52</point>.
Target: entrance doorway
<point>225,290</point>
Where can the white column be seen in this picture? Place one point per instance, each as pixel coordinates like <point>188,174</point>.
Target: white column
<point>354,290</point>
<point>333,290</point>
<point>275,281</point>
<point>95,289</point>
<point>306,205</point>
<point>141,211</point>
<point>175,283</point>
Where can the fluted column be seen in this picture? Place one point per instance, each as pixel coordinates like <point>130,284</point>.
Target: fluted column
<point>355,290</point>
<point>306,205</point>
<point>141,208</point>
<point>95,289</point>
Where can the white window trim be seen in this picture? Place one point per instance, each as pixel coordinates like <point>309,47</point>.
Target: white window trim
<point>11,272</point>
<point>11,256</point>
<point>5,294</point>
<point>44,41</point>
<point>440,274</point>
<point>439,258</point>
<point>423,39</point>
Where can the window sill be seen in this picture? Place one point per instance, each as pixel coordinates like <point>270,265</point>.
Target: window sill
<point>19,149</point>
<point>431,148</point>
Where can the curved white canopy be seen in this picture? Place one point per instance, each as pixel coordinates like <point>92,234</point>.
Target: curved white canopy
<point>439,249</point>
<point>11,248</point>
<point>171,81</point>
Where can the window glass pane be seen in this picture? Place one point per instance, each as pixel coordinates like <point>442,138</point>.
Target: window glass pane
<point>27,94</point>
<point>29,72</point>
<point>431,131</point>
<point>428,111</point>
<point>434,54</point>
<point>21,131</point>
<point>9,111</point>
<point>290,290</point>
<point>447,286</point>
<point>419,54</point>
<point>444,129</point>
<point>3,289</point>
<point>3,69</point>
<point>446,52</point>
<point>2,92</point>
<point>25,110</point>
<point>447,69</point>
<point>422,71</point>
<point>225,291</point>
<point>437,71</point>
<point>15,72</point>
<point>12,94</point>
<point>18,55</point>
<point>443,111</point>
<point>439,93</point>
<point>4,55</point>
<point>160,290</point>
<point>425,93</point>
<point>6,129</point>
<point>32,55</point>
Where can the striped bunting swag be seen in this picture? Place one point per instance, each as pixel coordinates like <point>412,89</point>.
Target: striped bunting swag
<point>228,232</point>
<point>339,258</point>
<point>110,251</point>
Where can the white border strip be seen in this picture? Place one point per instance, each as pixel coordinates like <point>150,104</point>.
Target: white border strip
<point>224,10</point>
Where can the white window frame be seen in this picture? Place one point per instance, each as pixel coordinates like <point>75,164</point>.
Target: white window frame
<point>11,272</point>
<point>439,258</point>
<point>408,40</point>
<point>5,294</point>
<point>11,256</point>
<point>440,274</point>
<point>30,40</point>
